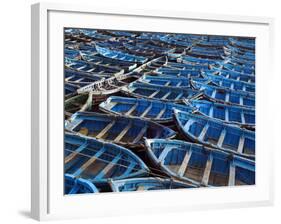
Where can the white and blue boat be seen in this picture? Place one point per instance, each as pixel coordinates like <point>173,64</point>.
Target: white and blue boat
<point>216,134</point>
<point>126,131</point>
<point>163,93</point>
<point>200,165</point>
<point>153,110</point>
<point>97,161</point>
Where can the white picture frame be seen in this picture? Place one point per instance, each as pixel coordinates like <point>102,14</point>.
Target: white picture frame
<point>48,201</point>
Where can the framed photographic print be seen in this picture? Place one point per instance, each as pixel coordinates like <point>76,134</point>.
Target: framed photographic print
<point>149,110</point>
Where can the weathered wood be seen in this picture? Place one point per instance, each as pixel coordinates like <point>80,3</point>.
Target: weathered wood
<point>167,83</point>
<point>165,152</point>
<point>76,152</point>
<point>140,135</point>
<point>203,132</point>
<point>211,111</point>
<point>184,164</point>
<point>241,100</point>
<point>227,97</point>
<point>241,144</point>
<point>146,110</point>
<point>89,162</point>
<point>179,96</point>
<point>106,129</point>
<point>161,112</point>
<point>214,93</point>
<point>226,114</point>
<point>108,167</point>
<point>123,132</point>
<point>221,138</point>
<point>188,123</point>
<point>132,109</point>
<point>154,94</point>
<point>243,117</point>
<point>231,178</point>
<point>166,95</point>
<point>207,170</point>
<point>179,84</point>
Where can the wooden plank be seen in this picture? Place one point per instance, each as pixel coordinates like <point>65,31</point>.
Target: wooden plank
<point>207,170</point>
<point>214,93</point>
<point>154,93</point>
<point>204,131</point>
<point>123,132</point>
<point>132,109</point>
<point>165,152</point>
<point>231,178</point>
<point>84,66</point>
<point>226,114</point>
<point>227,97</point>
<point>89,162</point>
<point>211,111</point>
<point>166,95</point>
<point>188,123</point>
<point>167,83</point>
<point>140,135</point>
<point>146,110</point>
<point>184,164</point>
<point>161,112</point>
<point>179,84</point>
<point>179,96</point>
<point>76,152</point>
<point>241,100</point>
<point>232,86</point>
<point>221,138</point>
<point>106,129</point>
<point>108,167</point>
<point>243,117</point>
<point>241,144</point>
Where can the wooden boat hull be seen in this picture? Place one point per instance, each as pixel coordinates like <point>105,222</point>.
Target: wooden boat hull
<point>241,116</point>
<point>199,165</point>
<point>153,110</point>
<point>126,131</point>
<point>225,96</point>
<point>142,90</point>
<point>73,185</point>
<point>216,134</point>
<point>97,161</point>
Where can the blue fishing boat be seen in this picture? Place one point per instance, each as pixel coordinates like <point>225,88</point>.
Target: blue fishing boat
<point>209,53</point>
<point>92,68</point>
<point>226,96</point>
<point>98,59</point>
<point>148,184</point>
<point>224,82</point>
<point>95,160</point>
<point>187,73</point>
<point>241,116</point>
<point>236,60</point>
<point>153,110</point>
<point>236,68</point>
<point>79,78</point>
<point>232,75</point>
<point>169,81</point>
<point>122,130</point>
<point>73,185</point>
<point>120,55</point>
<point>178,65</point>
<point>244,44</point>
<point>188,59</point>
<point>200,165</point>
<point>173,94</point>
<point>216,134</point>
